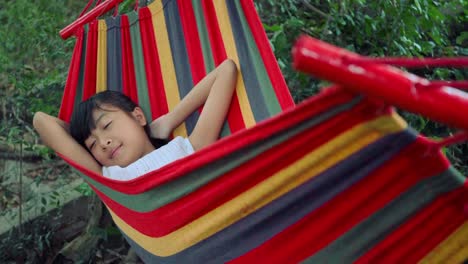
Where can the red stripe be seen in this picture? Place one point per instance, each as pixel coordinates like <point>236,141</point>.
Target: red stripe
<point>329,98</point>
<point>428,237</point>
<point>417,237</point>
<point>192,39</point>
<point>89,86</point>
<point>128,67</point>
<point>214,33</point>
<point>269,59</point>
<point>156,92</point>
<point>441,230</point>
<point>69,92</point>
<point>234,116</point>
<point>339,215</point>
<point>242,178</point>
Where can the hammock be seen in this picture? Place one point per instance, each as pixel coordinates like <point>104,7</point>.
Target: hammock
<point>338,178</point>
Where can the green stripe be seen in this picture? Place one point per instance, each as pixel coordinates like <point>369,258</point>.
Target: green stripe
<point>162,195</point>
<point>252,85</point>
<point>350,246</point>
<point>80,83</point>
<point>139,62</point>
<point>266,87</point>
<point>206,50</point>
<point>203,35</point>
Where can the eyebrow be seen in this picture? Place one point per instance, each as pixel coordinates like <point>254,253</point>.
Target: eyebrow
<point>99,118</point>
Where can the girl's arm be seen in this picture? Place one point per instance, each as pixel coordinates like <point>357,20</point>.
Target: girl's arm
<point>215,91</point>
<point>55,134</point>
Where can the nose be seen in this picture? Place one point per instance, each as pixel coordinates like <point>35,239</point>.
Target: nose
<point>106,142</point>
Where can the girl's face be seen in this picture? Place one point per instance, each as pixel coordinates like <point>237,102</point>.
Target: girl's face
<point>119,137</point>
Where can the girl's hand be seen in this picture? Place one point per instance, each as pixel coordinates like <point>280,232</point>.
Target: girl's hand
<point>161,128</point>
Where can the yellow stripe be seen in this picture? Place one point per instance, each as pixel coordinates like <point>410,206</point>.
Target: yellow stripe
<point>263,193</point>
<point>454,249</point>
<point>171,87</point>
<point>229,44</point>
<point>460,256</point>
<point>101,79</point>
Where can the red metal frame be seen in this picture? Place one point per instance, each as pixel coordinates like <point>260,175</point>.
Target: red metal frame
<point>456,62</point>
<point>441,103</point>
<point>94,13</point>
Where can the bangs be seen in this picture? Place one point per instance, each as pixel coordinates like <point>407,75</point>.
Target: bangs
<point>82,121</point>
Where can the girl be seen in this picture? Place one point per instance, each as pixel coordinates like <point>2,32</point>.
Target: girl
<point>108,133</point>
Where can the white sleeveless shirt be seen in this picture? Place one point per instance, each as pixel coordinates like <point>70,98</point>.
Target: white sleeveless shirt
<point>177,148</point>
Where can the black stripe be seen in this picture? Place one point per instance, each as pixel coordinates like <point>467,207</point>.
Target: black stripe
<point>251,82</point>
<point>79,85</point>
<point>114,54</point>
<point>180,56</point>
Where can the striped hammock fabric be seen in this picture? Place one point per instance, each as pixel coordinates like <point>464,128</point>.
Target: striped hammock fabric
<point>339,178</point>
<point>158,54</point>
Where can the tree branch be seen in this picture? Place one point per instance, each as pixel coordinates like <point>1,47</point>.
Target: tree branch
<point>314,9</point>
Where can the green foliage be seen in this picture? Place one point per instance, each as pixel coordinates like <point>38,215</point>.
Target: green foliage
<point>32,245</point>
<point>33,60</point>
<point>84,189</point>
<point>415,28</point>
<point>374,28</point>
<point>33,68</point>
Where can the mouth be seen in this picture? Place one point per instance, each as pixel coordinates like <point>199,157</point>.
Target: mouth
<point>115,152</point>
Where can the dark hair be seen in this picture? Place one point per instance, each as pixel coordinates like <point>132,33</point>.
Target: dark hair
<point>82,121</point>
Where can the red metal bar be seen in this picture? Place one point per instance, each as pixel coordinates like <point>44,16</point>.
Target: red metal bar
<point>100,9</point>
<point>86,8</point>
<point>444,104</point>
<point>462,85</point>
<point>458,62</point>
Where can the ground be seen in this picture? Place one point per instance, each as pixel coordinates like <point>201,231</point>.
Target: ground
<point>55,207</point>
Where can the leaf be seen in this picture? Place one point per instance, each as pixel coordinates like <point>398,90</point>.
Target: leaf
<point>417,6</point>
<point>272,28</point>
<point>296,23</point>
<point>402,50</point>
<point>460,40</point>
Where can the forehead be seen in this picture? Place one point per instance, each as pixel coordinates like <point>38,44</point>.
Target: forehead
<point>105,110</point>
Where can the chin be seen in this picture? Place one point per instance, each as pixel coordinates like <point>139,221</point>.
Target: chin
<point>124,164</point>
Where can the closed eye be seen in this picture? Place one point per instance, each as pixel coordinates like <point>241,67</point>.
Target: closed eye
<point>92,145</point>
<point>107,125</point>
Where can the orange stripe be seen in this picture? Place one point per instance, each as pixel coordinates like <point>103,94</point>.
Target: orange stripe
<point>169,78</point>
<point>101,81</point>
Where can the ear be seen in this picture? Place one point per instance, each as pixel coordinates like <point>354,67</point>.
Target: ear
<point>139,116</point>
